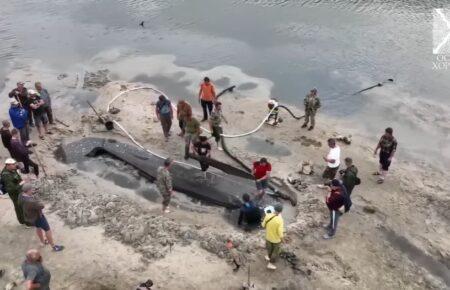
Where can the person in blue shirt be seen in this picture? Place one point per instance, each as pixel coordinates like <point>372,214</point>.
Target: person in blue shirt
<point>19,119</point>
<point>249,213</point>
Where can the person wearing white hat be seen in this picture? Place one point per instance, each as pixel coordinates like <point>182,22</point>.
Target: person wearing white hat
<point>20,93</point>
<point>37,106</point>
<point>19,117</point>
<point>12,184</point>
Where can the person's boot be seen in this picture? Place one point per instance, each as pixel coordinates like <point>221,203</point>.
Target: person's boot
<point>304,125</point>
<point>328,236</point>
<point>271,266</point>
<point>310,128</point>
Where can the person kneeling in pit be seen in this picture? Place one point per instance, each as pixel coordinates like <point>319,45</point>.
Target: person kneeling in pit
<point>273,118</point>
<point>249,213</point>
<point>203,149</point>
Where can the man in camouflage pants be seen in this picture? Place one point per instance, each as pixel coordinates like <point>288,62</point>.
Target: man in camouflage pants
<point>164,184</point>
<point>312,104</point>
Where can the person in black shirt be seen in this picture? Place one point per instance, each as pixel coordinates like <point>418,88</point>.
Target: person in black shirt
<point>37,106</point>
<point>203,150</point>
<point>249,213</point>
<point>6,135</point>
<point>20,93</point>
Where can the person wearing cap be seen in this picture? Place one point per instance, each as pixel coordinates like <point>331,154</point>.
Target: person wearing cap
<point>22,154</point>
<point>19,119</point>
<point>37,106</point>
<point>206,96</point>
<point>334,201</point>
<point>12,184</point>
<point>215,123</point>
<point>33,216</point>
<point>20,94</point>
<point>45,96</point>
<point>312,104</point>
<point>5,132</point>
<point>164,184</point>
<point>164,113</point>
<point>261,172</point>
<point>36,276</point>
<point>274,225</point>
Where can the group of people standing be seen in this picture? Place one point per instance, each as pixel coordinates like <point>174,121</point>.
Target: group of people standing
<point>28,108</point>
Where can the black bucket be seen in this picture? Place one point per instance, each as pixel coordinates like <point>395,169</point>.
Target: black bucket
<point>109,125</point>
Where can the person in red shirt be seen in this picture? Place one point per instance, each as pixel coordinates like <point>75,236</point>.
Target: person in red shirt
<point>261,172</point>
<point>335,200</point>
<point>207,97</point>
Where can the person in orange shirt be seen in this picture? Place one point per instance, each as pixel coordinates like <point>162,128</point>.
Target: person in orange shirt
<point>207,96</point>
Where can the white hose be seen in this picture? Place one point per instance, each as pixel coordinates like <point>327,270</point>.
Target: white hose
<point>204,129</point>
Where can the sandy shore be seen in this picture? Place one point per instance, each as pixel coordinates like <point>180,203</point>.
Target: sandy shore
<point>395,236</point>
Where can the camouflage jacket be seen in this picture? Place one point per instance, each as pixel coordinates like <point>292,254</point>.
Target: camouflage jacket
<point>11,182</point>
<point>164,180</point>
<point>311,103</point>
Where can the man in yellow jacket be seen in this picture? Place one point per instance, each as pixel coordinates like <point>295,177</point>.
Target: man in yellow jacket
<point>274,225</point>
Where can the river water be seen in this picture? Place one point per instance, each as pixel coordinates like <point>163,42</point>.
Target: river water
<point>280,48</point>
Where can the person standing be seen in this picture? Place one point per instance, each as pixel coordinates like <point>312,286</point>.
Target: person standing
<point>19,117</point>
<point>192,131</point>
<point>20,94</point>
<point>6,135</point>
<point>183,110</point>
<point>274,225</point>
<point>36,276</point>
<point>33,216</point>
<point>215,120</point>
<point>333,160</point>
<point>261,172</point>
<point>312,104</point>
<point>334,201</point>
<point>37,107</point>
<point>21,154</point>
<point>164,112</point>
<point>164,184</point>
<point>12,184</point>
<point>387,146</point>
<point>45,96</point>
<point>349,175</point>
<point>207,96</point>
<point>203,149</point>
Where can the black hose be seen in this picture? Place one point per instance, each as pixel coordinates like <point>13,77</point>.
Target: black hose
<point>290,112</point>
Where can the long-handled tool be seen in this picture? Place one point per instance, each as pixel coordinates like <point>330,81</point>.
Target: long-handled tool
<point>108,123</point>
<point>39,161</point>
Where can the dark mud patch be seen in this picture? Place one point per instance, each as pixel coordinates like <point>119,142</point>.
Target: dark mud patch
<point>416,255</point>
<point>267,147</point>
<point>305,141</point>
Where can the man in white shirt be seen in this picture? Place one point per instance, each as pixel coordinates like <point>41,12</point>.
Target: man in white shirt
<point>333,160</point>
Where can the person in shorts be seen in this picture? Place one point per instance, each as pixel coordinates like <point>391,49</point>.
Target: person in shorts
<point>32,212</point>
<point>333,160</point>
<point>37,106</point>
<point>387,146</point>
<point>261,172</point>
<point>36,276</point>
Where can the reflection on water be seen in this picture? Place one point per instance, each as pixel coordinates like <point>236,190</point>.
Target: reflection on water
<point>288,45</point>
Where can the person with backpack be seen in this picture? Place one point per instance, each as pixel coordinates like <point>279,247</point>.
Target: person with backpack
<point>349,176</point>
<point>164,113</point>
<point>274,225</point>
<point>337,198</point>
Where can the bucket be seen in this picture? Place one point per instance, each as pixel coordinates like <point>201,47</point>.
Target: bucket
<point>109,125</point>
